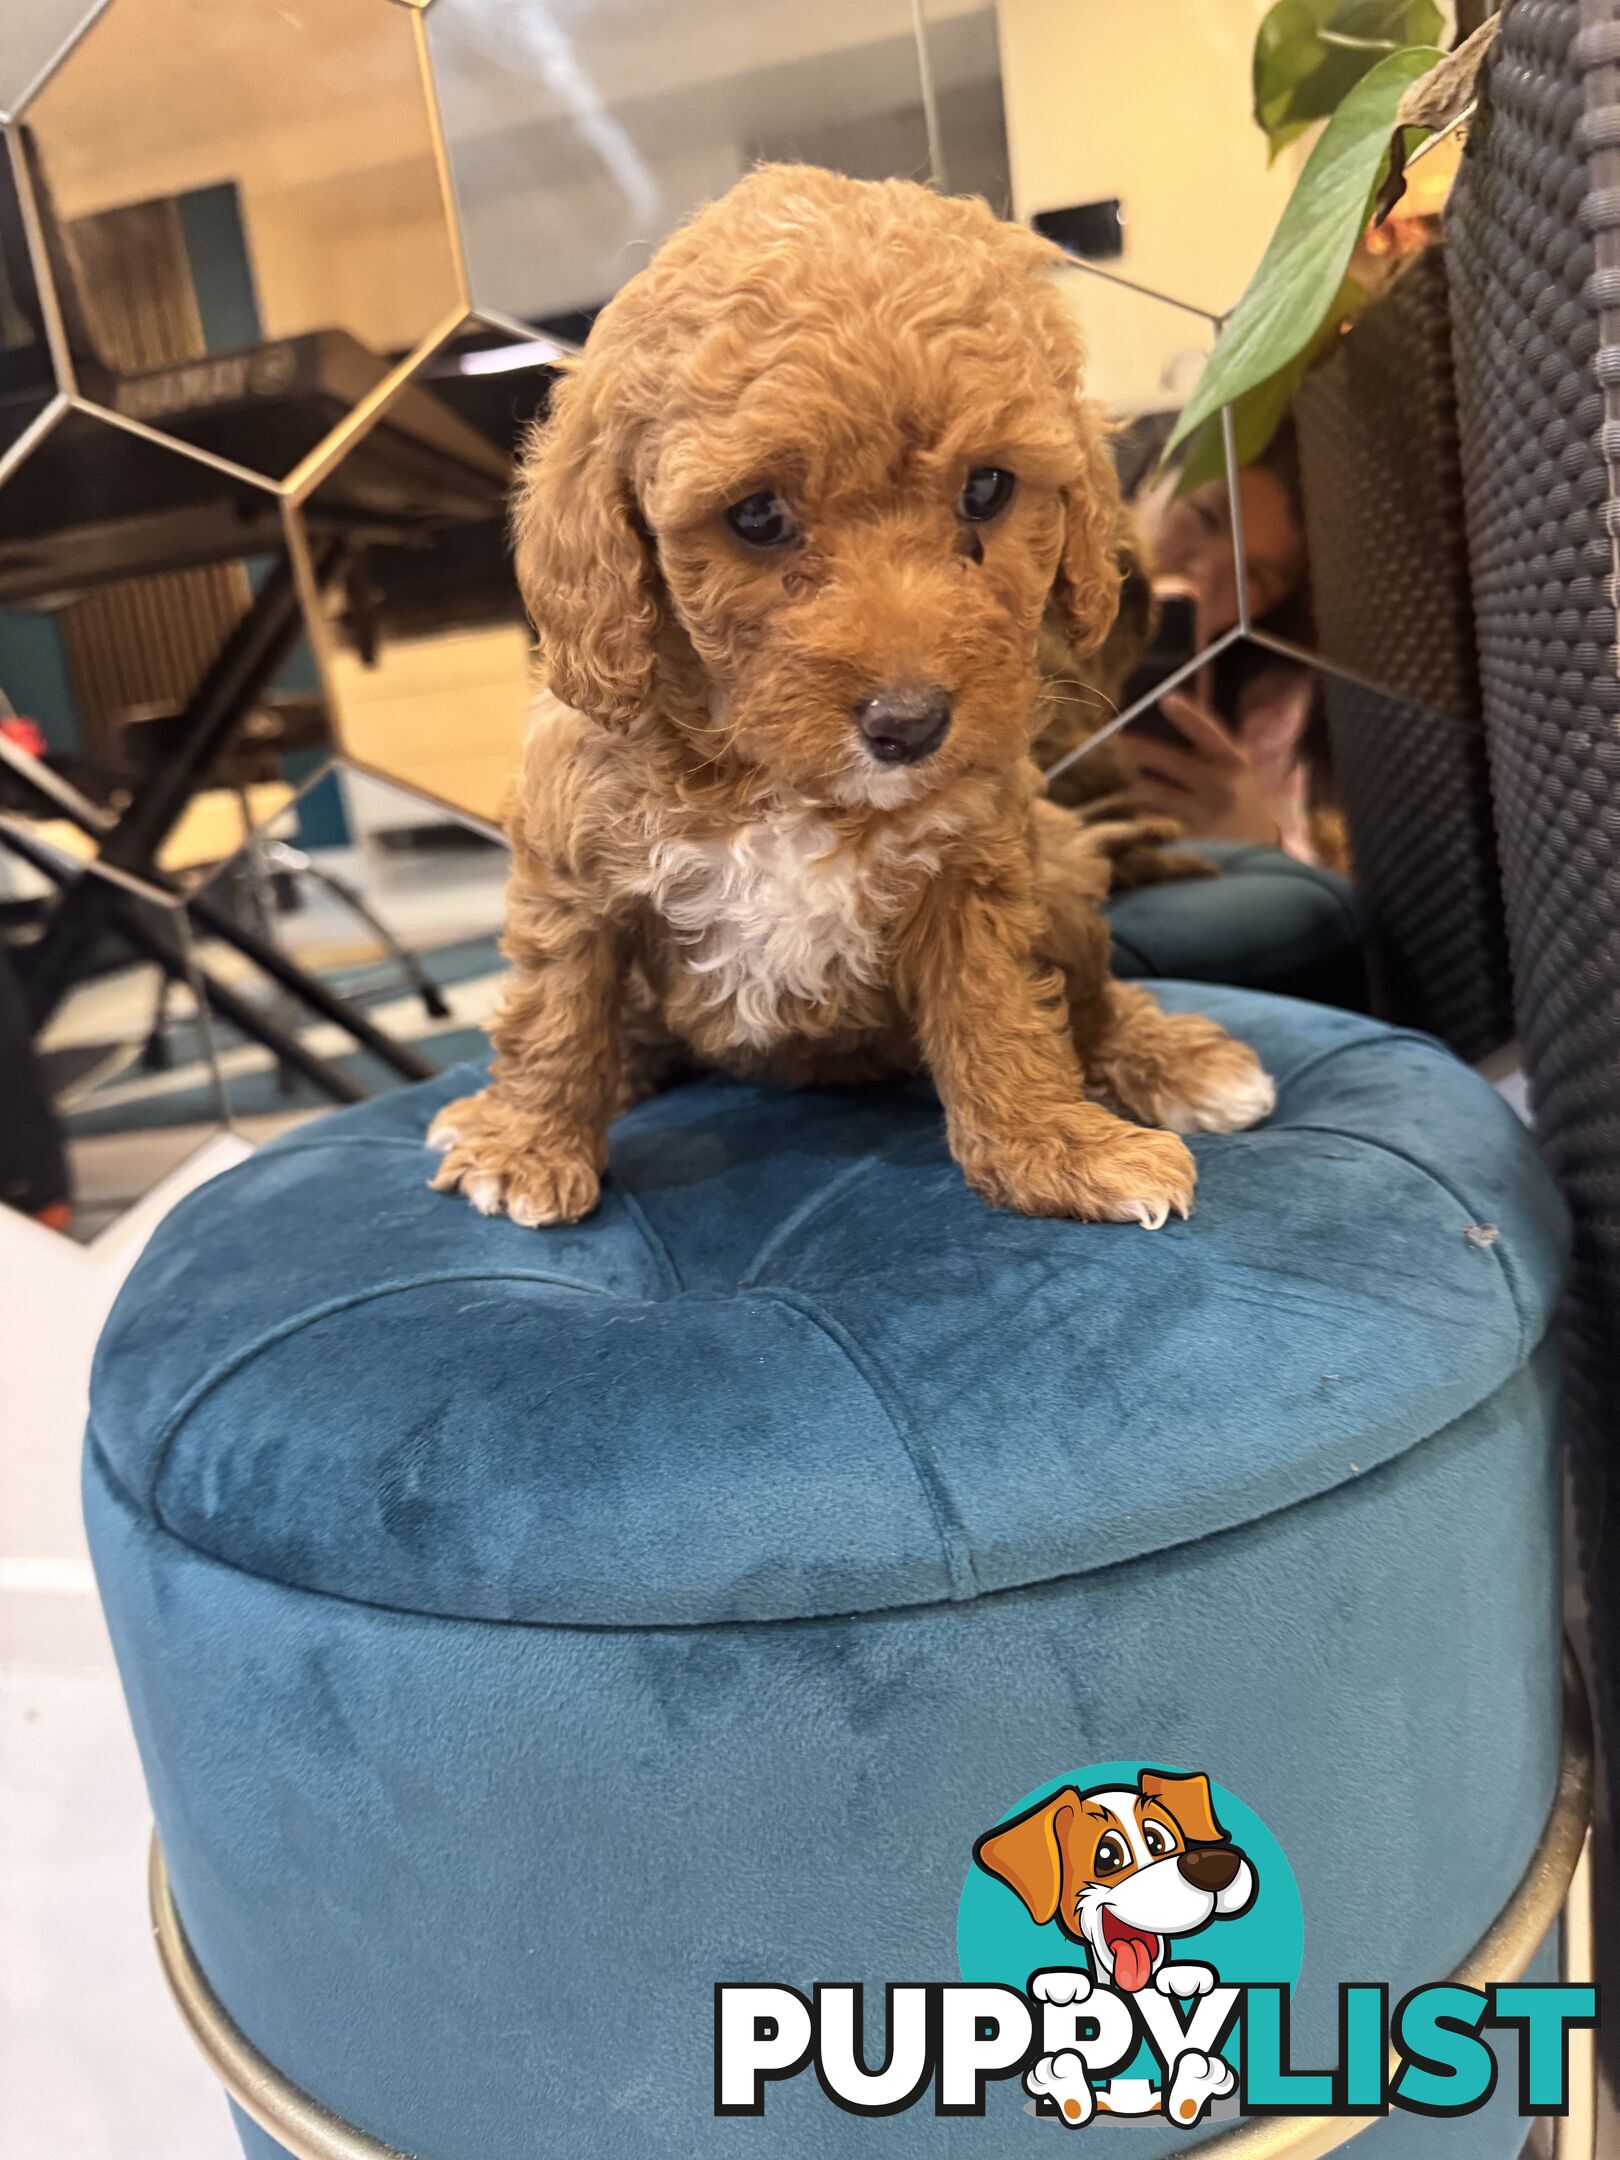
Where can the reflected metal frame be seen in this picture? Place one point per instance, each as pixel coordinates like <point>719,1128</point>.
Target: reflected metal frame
<point>1244,630</point>
<point>297,485</point>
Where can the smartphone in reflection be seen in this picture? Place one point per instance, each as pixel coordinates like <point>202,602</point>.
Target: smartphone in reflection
<point>1174,643</point>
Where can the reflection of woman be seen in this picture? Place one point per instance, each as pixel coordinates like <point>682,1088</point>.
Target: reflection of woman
<point>1248,749</point>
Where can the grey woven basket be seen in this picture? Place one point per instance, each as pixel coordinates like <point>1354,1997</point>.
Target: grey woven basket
<point>1534,250</point>
<point>1382,477</point>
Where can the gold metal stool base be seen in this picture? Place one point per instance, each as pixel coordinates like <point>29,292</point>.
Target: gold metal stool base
<point>1556,1881</point>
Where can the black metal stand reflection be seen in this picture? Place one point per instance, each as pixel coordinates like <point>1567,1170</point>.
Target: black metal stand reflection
<point>94,504</point>
<point>148,930</point>
<point>245,667</point>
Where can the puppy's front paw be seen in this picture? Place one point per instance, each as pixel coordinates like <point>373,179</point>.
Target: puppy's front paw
<point>1184,1981</point>
<point>1224,1089</point>
<point>1090,1166</point>
<point>506,1164</point>
<point>1063,1985</point>
<point>1198,2080</point>
<point>1062,2080</point>
<point>1187,1074</point>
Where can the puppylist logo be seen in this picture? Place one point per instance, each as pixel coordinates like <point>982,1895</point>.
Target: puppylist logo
<point>1129,1938</point>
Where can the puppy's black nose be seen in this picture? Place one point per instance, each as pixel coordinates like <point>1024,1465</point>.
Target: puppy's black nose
<point>1209,1867</point>
<point>901,726</point>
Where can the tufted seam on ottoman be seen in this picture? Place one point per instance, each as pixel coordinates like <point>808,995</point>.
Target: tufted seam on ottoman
<point>657,1251</point>
<point>1497,1252</point>
<point>807,1210</point>
<point>217,1375</point>
<point>1247,1526</point>
<point>1376,1036</point>
<point>948,1524</point>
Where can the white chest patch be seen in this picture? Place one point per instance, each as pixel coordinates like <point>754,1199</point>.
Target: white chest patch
<point>776,910</point>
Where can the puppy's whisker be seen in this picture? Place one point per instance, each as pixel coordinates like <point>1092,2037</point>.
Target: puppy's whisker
<point>1089,695</point>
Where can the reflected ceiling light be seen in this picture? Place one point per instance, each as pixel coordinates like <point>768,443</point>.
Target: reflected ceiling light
<point>507,359</point>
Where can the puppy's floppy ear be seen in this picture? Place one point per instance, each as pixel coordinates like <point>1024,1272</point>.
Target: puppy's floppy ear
<point>584,558</point>
<point>1097,543</point>
<point>1133,625</point>
<point>1085,592</point>
<point>1026,1853</point>
<point>1189,1800</point>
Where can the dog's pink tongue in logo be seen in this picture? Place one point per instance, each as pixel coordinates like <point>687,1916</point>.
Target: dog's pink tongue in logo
<point>1133,1952</point>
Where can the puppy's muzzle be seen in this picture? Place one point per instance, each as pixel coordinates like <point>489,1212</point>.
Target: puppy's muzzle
<point>1209,1867</point>
<point>901,726</point>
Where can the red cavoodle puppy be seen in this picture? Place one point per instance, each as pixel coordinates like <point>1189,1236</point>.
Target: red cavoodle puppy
<point>788,536</point>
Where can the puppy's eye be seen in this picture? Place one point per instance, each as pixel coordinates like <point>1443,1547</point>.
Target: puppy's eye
<point>986,492</point>
<point>1111,1855</point>
<point>764,521</point>
<point>1157,1838</point>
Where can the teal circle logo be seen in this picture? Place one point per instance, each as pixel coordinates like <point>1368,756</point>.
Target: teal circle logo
<point>1143,1876</point>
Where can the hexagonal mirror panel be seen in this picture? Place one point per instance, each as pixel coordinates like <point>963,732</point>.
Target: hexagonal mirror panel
<point>153,642</point>
<point>580,134</point>
<point>245,214</point>
<point>1328,674</point>
<point>427,649</point>
<point>91,503</point>
<point>380,910</point>
<point>964,94</point>
<point>1350,489</point>
<point>158,698</point>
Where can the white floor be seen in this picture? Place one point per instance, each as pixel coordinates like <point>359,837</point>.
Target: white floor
<point>95,2063</point>
<point>98,2067</point>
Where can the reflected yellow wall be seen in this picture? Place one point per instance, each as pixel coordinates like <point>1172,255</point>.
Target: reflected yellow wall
<point>315,264</point>
<point>1148,100</point>
<point>445,713</point>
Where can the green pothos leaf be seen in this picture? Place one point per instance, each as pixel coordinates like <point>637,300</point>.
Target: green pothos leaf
<point>1258,413</point>
<point>1291,294</point>
<point>1310,54</point>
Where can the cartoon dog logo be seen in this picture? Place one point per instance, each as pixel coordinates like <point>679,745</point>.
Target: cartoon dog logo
<point>1124,1870</point>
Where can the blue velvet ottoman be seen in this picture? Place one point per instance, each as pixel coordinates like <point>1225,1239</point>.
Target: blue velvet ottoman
<point>524,1632</point>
